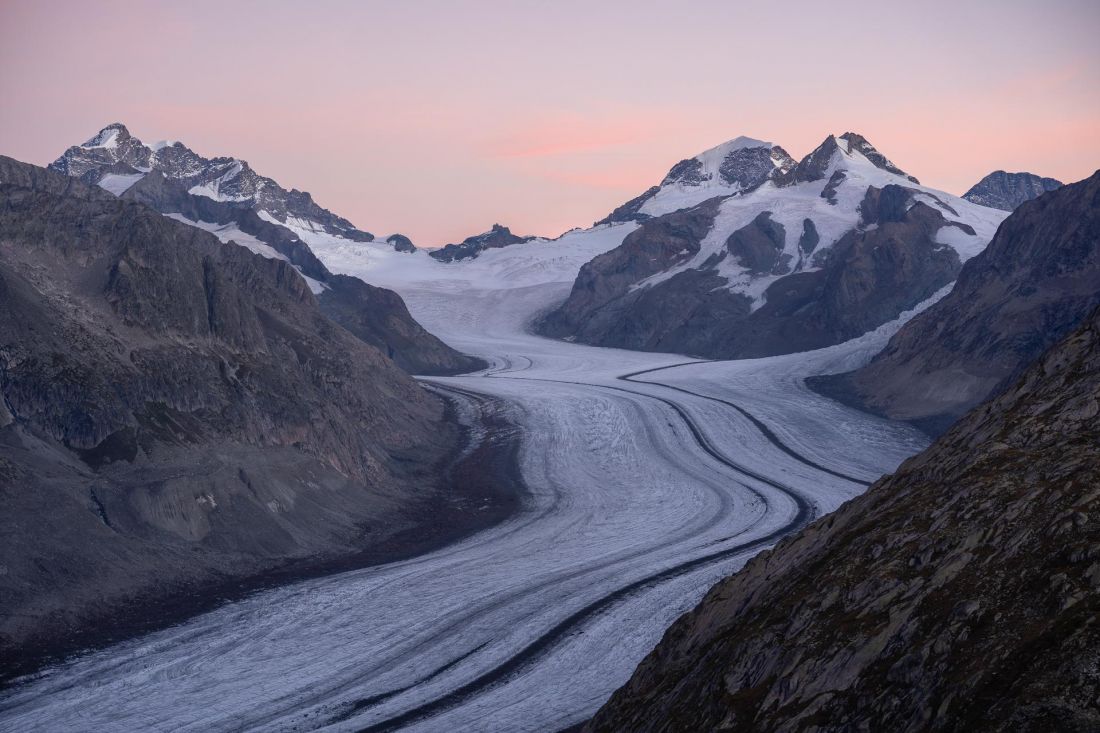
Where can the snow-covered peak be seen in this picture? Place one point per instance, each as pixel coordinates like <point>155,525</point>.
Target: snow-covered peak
<point>840,154</point>
<point>116,160</point>
<point>739,163</point>
<point>855,144</point>
<point>714,157</point>
<point>735,166</point>
<point>108,137</point>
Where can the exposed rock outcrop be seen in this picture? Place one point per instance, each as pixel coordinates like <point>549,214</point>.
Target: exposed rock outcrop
<point>170,197</point>
<point>960,594</point>
<point>470,247</point>
<point>1006,191</point>
<point>401,243</point>
<point>819,164</point>
<point>379,317</point>
<point>1033,284</point>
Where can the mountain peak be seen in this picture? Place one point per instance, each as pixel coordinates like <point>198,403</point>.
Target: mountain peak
<point>857,143</point>
<point>741,163</point>
<point>109,137</point>
<point>1006,191</point>
<point>116,160</point>
<point>839,152</point>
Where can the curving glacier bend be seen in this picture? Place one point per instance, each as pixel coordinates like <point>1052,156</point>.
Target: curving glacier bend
<point>646,484</point>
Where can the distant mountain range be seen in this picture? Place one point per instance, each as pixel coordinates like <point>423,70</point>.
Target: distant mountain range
<point>116,160</point>
<point>743,252</point>
<point>226,198</point>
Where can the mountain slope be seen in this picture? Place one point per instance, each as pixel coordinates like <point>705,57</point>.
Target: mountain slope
<point>176,182</point>
<point>959,594</point>
<point>778,257</point>
<point>1006,191</point>
<point>1034,283</point>
<point>178,412</point>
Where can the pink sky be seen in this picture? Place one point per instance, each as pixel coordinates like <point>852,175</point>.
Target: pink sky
<point>437,119</point>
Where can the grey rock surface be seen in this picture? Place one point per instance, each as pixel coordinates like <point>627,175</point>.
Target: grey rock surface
<point>498,236</point>
<point>401,243</point>
<point>740,169</point>
<point>815,165</point>
<point>1006,191</point>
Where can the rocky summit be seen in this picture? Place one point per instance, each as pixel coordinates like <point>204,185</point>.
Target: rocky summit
<point>1006,191</point>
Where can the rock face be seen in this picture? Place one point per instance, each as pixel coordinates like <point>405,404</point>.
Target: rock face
<point>179,412</point>
<point>174,181</point>
<point>114,159</point>
<point>470,247</point>
<point>379,317</point>
<point>1006,191</point>
<point>226,220</point>
<point>959,594</point>
<point>401,243</point>
<point>785,257</point>
<point>1034,283</point>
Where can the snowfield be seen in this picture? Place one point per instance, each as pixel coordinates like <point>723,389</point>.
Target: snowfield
<point>647,483</point>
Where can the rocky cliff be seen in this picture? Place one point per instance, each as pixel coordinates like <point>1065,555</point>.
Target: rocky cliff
<point>1034,283</point>
<point>177,413</point>
<point>960,594</point>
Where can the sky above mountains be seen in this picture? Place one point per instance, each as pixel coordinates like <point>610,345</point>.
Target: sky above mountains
<point>437,119</point>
